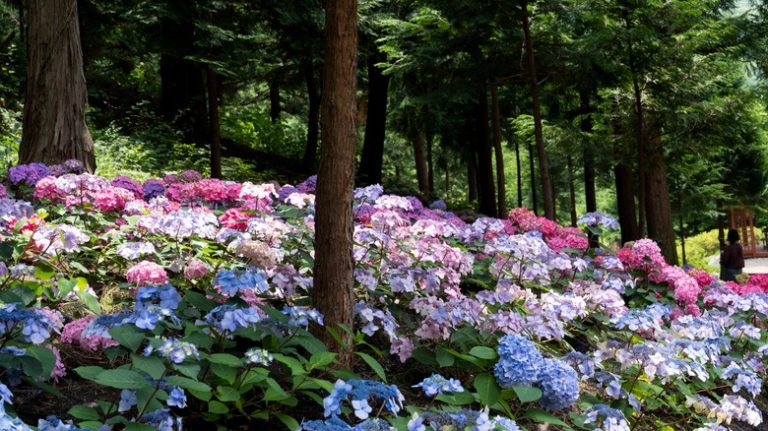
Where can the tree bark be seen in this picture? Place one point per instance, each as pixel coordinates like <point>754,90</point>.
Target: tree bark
<point>430,165</point>
<point>371,159</point>
<point>472,178</point>
<point>419,141</point>
<point>314,93</point>
<point>640,139</point>
<point>625,202</point>
<point>658,210</point>
<point>571,192</point>
<point>54,128</point>
<point>499,153</point>
<point>332,292</point>
<point>532,169</point>
<point>213,117</point>
<point>519,172</point>
<point>546,182</point>
<point>590,194</point>
<point>486,189</point>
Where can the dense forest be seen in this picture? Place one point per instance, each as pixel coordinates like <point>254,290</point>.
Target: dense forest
<point>250,202</point>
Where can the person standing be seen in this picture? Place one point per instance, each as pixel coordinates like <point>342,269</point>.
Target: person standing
<point>732,257</point>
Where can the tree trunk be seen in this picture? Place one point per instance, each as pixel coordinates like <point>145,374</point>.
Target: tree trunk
<point>472,178</point>
<point>486,189</point>
<point>332,292</point>
<point>658,211</point>
<point>430,164</point>
<point>682,231</point>
<point>313,90</point>
<point>274,101</point>
<point>532,169</point>
<point>500,180</point>
<point>625,202</point>
<point>54,110</point>
<point>546,183</point>
<point>371,159</point>
<point>640,138</point>
<point>590,194</point>
<point>571,192</point>
<point>419,140</point>
<point>519,173</point>
<point>213,116</point>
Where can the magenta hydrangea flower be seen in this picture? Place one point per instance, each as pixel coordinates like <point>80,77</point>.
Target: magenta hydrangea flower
<point>145,272</point>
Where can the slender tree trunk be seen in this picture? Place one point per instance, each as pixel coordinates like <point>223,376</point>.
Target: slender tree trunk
<point>532,168</point>
<point>54,127</point>
<point>371,159</point>
<point>546,182</point>
<point>313,90</point>
<point>472,178</point>
<point>572,191</point>
<point>332,292</point>
<point>590,194</point>
<point>519,173</point>
<point>486,189</point>
<point>430,165</point>
<point>625,202</point>
<point>213,116</point>
<point>274,101</point>
<point>641,166</point>
<point>682,230</point>
<point>419,140</point>
<point>499,153</point>
<point>720,225</point>
<point>657,206</point>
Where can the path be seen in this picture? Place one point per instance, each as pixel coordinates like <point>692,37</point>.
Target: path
<point>756,266</point>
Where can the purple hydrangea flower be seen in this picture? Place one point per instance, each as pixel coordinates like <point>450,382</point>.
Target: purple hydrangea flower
<point>519,361</point>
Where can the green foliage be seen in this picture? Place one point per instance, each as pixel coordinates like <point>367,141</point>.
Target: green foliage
<point>700,249</point>
<point>252,126</point>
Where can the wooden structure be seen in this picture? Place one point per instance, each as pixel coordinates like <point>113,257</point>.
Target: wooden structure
<point>743,220</point>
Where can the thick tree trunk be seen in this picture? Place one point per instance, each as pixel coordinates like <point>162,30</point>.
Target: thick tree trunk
<point>419,141</point>
<point>313,90</point>
<point>499,153</point>
<point>332,292</point>
<point>532,169</point>
<point>54,109</point>
<point>640,138</point>
<point>546,182</point>
<point>213,117</point>
<point>486,189</point>
<point>274,101</point>
<point>625,202</point>
<point>371,159</point>
<point>658,210</point>
<point>571,192</point>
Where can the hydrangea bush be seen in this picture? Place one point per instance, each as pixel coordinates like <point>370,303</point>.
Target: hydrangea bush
<point>186,300</point>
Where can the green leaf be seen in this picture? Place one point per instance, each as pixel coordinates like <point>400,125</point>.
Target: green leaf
<point>151,365</point>
<point>374,364</point>
<point>227,394</point>
<point>527,394</point>
<point>88,372</point>
<point>296,368</point>
<point>444,358</point>
<point>128,336</point>
<point>135,426</point>
<point>228,374</point>
<point>483,352</point>
<point>121,379</point>
<point>189,370</point>
<point>225,359</point>
<point>90,301</point>
<point>488,391</point>
<point>290,423</point>
<point>456,399</point>
<point>320,360</point>
<point>189,384</point>
<point>45,356</point>
<point>199,301</point>
<point>84,412</point>
<point>217,407</point>
<point>471,359</point>
<point>540,415</point>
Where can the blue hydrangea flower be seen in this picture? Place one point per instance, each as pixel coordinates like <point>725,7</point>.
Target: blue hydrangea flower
<point>174,350</point>
<point>127,400</point>
<point>301,316</point>
<point>360,391</point>
<point>519,361</point>
<point>644,320</point>
<point>559,385</point>
<point>257,356</point>
<point>35,326</point>
<point>52,423</point>
<point>437,384</point>
<point>177,398</point>
<point>336,424</point>
<point>232,281</point>
<point>229,318</point>
<point>162,420</point>
<point>607,418</point>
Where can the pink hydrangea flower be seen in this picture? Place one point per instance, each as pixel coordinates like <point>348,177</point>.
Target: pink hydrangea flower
<point>73,334</point>
<point>234,218</point>
<point>196,269</point>
<point>146,272</point>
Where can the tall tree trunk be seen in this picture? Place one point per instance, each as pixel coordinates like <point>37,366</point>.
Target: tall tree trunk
<point>500,180</point>
<point>486,189</point>
<point>213,116</point>
<point>419,141</point>
<point>571,192</point>
<point>332,293</point>
<point>472,178</point>
<point>430,164</point>
<point>720,225</point>
<point>54,110</point>
<point>642,173</point>
<point>590,194</point>
<point>274,101</point>
<point>546,182</point>
<point>625,202</point>
<point>532,169</point>
<point>519,172</point>
<point>682,230</point>
<point>658,210</point>
<point>371,159</point>
<point>313,90</point>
